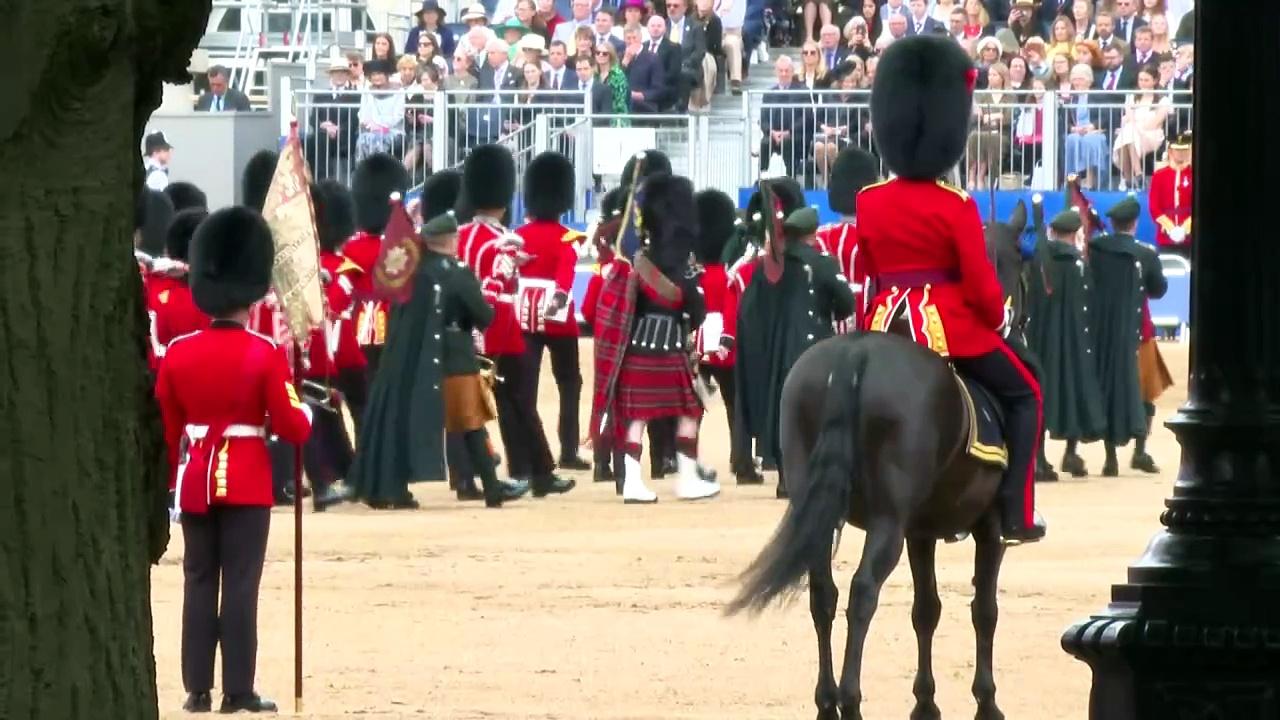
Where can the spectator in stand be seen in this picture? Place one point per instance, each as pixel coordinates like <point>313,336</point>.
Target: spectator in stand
<point>988,55</point>
<point>332,125</point>
<point>815,12</point>
<point>406,72</point>
<point>1062,36</point>
<point>1103,29</point>
<point>955,28</point>
<point>1022,21</point>
<point>1036,55</point>
<point>813,68</point>
<point>512,33</point>
<point>714,34</point>
<point>475,16</point>
<point>475,42</point>
<point>381,114</point>
<point>895,29</point>
<point>783,128</point>
<point>892,7</point>
<point>527,13</point>
<point>548,18</point>
<point>1028,133</point>
<point>942,10</point>
<point>1141,130</point>
<point>1184,67</point>
<point>609,73</point>
<point>857,39</point>
<point>1085,144</point>
<point>560,75</point>
<point>1019,77</point>
<point>463,76</point>
<point>1151,8</point>
<point>1118,73</point>
<point>605,32</point>
<point>1143,52</point>
<point>1166,67</point>
<point>1082,18</point>
<point>1059,77</point>
<point>429,54</point>
<point>355,67</point>
<point>1047,12</point>
<point>532,50</point>
<point>977,22</point>
<point>581,18</point>
<point>585,81</point>
<point>829,47</point>
<point>418,121</point>
<point>221,97</point>
<point>633,12</point>
<point>668,56</point>
<point>645,74</point>
<point>688,37</point>
<point>1160,41</point>
<point>1127,20</point>
<point>529,101</point>
<point>732,14</point>
<point>919,21</point>
<point>871,16</point>
<point>430,23</point>
<point>383,48</point>
<point>1087,52</point>
<point>873,62</point>
<point>837,119</point>
<point>988,144</point>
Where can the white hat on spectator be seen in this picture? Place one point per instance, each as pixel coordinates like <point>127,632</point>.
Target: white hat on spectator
<point>985,42</point>
<point>338,64</point>
<point>533,41</point>
<point>475,11</point>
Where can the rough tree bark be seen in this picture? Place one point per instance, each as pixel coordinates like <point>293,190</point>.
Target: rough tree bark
<point>81,464</point>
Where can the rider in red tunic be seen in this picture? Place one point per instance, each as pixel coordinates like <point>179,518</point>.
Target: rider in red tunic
<point>924,248</point>
<point>853,170</point>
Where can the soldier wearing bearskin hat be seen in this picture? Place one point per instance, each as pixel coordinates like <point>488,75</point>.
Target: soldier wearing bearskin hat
<point>853,170</point>
<point>923,244</point>
<point>544,300</point>
<point>1169,198</point>
<point>375,178</point>
<point>216,389</point>
<point>493,253</point>
<point>173,312</point>
<point>649,306</point>
<point>186,195</point>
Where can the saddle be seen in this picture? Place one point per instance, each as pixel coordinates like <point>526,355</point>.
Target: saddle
<point>986,423</point>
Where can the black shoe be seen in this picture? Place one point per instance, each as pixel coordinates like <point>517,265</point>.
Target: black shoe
<point>1111,468</point>
<point>468,494</point>
<point>1046,474</point>
<point>603,473</point>
<point>781,492</point>
<point>284,498</point>
<point>573,463</point>
<point>1023,535</point>
<point>551,484</point>
<point>750,477</point>
<point>327,498</point>
<point>1144,462</point>
<point>1073,465</point>
<point>198,702</point>
<point>405,503</point>
<point>253,702</point>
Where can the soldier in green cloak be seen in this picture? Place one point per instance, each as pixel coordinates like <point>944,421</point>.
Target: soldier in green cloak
<point>793,296</point>
<point>1125,273</point>
<point>1061,336</point>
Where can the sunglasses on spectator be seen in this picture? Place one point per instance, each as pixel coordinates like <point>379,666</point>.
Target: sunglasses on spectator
<point>808,52</point>
<point>602,52</point>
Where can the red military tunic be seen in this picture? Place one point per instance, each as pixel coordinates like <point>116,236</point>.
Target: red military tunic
<point>1169,202</point>
<point>923,244</point>
<point>591,298</point>
<point>480,247</point>
<point>840,240</point>
<point>227,379</point>
<point>173,312</point>
<point>721,302</point>
<point>267,319</point>
<point>370,313</point>
<point>335,347</point>
<point>550,269</point>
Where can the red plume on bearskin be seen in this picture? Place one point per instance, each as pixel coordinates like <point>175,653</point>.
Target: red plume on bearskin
<point>774,240</point>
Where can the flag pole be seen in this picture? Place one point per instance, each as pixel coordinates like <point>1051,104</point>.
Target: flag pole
<point>297,553</point>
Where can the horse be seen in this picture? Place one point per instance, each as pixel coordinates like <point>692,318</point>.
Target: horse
<point>875,432</point>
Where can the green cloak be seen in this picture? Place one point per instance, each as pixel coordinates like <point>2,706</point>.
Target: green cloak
<point>778,322</point>
<point>1125,272</point>
<point>402,437</point>
<point>1060,335</point>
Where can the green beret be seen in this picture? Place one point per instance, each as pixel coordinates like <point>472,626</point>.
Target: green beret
<point>442,224</point>
<point>1125,211</point>
<point>801,222</point>
<point>1066,222</point>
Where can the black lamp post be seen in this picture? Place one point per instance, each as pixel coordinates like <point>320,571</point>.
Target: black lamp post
<point>1195,632</point>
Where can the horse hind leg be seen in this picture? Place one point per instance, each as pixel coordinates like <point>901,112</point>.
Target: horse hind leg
<point>926,610</point>
<point>987,559</point>
<point>880,556</point>
<point>823,597</point>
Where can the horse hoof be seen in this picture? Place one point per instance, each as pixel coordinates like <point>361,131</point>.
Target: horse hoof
<point>926,711</point>
<point>828,714</point>
<point>988,712</point>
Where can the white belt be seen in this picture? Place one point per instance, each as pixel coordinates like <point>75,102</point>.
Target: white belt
<point>508,298</point>
<point>197,432</point>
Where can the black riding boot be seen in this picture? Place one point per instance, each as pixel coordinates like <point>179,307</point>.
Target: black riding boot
<point>1141,460</point>
<point>481,457</point>
<point>1044,470</point>
<point>1111,468</point>
<point>1072,463</point>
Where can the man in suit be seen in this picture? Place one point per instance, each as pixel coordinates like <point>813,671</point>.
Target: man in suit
<point>1143,40</point>
<point>829,46</point>
<point>685,31</point>
<point>1104,29</point>
<point>668,57</point>
<point>920,22</point>
<point>1128,20</point>
<point>645,75</point>
<point>605,32</point>
<point>581,17</point>
<point>497,75</point>
<point>221,97</point>
<point>561,76</point>
<point>601,95</point>
<point>332,124</point>
<point>785,130</point>
<point>1118,73</point>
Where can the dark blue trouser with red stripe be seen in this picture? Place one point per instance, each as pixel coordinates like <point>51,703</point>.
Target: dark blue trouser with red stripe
<point>1013,383</point>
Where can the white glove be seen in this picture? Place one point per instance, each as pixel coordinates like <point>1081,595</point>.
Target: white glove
<point>1006,324</point>
<point>504,266</point>
<point>1178,235</point>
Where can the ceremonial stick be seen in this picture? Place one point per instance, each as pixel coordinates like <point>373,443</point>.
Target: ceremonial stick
<point>297,556</point>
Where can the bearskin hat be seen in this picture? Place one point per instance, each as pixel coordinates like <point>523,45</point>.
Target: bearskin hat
<point>669,217</point>
<point>440,193</point>
<point>177,241</point>
<point>231,256</point>
<point>785,189</point>
<point>335,214</point>
<point>372,183</point>
<point>921,105</point>
<point>255,181</point>
<point>185,195</point>
<point>548,186</point>
<point>489,177</point>
<point>655,162</point>
<point>717,215</point>
<point>613,203</point>
<point>152,214</point>
<point>853,170</point>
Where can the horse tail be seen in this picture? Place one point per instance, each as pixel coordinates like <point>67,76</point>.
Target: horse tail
<point>805,537</point>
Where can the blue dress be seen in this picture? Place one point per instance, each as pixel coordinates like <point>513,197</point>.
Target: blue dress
<point>1086,152</point>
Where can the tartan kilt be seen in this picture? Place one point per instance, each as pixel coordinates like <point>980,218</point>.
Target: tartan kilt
<point>655,386</point>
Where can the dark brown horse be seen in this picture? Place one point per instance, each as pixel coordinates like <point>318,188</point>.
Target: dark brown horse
<point>875,433</point>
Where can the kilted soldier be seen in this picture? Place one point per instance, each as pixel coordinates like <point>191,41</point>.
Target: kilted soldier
<point>1060,335</point>
<point>853,170</point>
<point>492,252</point>
<point>605,456</point>
<point>372,183</point>
<point>1125,274</point>
<point>796,292</point>
<point>544,295</point>
<point>217,390</point>
<point>648,309</point>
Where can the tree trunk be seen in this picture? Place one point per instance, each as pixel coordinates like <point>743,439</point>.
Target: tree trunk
<point>82,471</point>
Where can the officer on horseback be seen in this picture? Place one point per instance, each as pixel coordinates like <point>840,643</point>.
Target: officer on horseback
<point>923,244</point>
